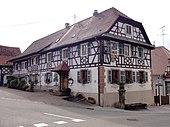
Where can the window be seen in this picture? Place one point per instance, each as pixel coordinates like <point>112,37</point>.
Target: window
<point>84,49</point>
<point>113,76</point>
<point>64,54</point>
<point>48,78</point>
<point>122,76</point>
<point>16,66</point>
<point>121,49</point>
<point>84,76</point>
<point>133,51</point>
<point>128,29</point>
<point>128,75</point>
<point>22,65</point>
<point>142,77</point>
<point>140,51</point>
<point>126,50</point>
<point>49,57</point>
<point>167,85</point>
<point>114,48</point>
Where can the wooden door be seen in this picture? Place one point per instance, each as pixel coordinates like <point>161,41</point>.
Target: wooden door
<point>64,80</point>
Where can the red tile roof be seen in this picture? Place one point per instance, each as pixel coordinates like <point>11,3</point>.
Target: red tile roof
<point>7,53</point>
<point>160,56</point>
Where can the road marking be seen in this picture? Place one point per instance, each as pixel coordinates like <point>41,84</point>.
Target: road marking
<point>41,125</point>
<point>60,122</point>
<point>78,120</point>
<point>65,117</point>
<point>20,126</point>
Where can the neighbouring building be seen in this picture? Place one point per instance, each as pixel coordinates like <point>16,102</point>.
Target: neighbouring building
<point>161,74</point>
<point>91,57</point>
<point>6,68</point>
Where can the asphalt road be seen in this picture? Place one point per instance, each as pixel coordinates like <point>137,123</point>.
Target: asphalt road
<point>40,109</point>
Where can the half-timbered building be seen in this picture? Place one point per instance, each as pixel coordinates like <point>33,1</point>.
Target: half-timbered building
<point>6,68</point>
<point>91,56</point>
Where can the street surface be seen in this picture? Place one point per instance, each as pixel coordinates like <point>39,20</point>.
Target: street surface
<point>40,109</point>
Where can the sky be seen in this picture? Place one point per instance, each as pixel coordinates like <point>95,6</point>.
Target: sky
<point>25,21</point>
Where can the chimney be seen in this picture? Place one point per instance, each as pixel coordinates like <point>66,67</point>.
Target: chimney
<point>95,13</point>
<point>67,25</point>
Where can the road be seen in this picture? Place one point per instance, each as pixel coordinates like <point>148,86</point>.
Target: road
<point>40,109</point>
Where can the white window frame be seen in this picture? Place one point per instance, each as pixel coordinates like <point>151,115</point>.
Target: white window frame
<point>49,56</point>
<point>84,49</point>
<point>127,27</point>
<point>114,50</point>
<point>127,52</point>
<point>64,53</point>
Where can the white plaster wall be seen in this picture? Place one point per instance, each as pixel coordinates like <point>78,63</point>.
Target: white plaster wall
<point>91,87</point>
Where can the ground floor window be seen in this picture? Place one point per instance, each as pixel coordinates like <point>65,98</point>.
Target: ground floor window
<point>126,76</point>
<point>48,77</point>
<point>84,76</point>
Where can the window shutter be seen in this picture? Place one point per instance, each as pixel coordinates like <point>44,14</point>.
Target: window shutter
<point>134,76</point>
<point>89,47</point>
<point>121,48</point>
<point>38,78</point>
<point>60,54</point>
<point>146,76</point>
<point>109,76</point>
<point>51,56</point>
<point>45,77</point>
<point>89,76</point>
<point>137,77</point>
<point>78,50</point>
<point>45,58</point>
<point>78,76</point>
<point>51,75</point>
<point>68,52</point>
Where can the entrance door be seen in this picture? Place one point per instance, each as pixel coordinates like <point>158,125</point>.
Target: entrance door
<point>64,80</point>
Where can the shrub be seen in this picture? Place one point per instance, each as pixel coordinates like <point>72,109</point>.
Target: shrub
<point>13,83</point>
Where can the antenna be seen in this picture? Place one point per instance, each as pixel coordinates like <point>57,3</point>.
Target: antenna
<point>75,19</point>
<point>163,34</point>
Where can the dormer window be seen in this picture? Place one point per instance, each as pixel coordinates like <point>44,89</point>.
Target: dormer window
<point>49,57</point>
<point>128,29</point>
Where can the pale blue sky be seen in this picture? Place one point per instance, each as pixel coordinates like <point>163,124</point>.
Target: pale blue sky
<point>24,21</point>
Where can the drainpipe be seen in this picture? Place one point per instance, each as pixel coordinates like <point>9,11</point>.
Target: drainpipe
<point>98,66</point>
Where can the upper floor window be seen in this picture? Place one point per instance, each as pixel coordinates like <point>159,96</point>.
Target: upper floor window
<point>49,57</point>
<point>133,51</point>
<point>65,53</point>
<point>114,48</point>
<point>121,49</point>
<point>34,60</point>
<point>140,51</point>
<point>128,29</point>
<point>84,50</point>
<point>126,50</point>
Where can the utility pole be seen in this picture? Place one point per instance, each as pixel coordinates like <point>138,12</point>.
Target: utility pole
<point>162,33</point>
